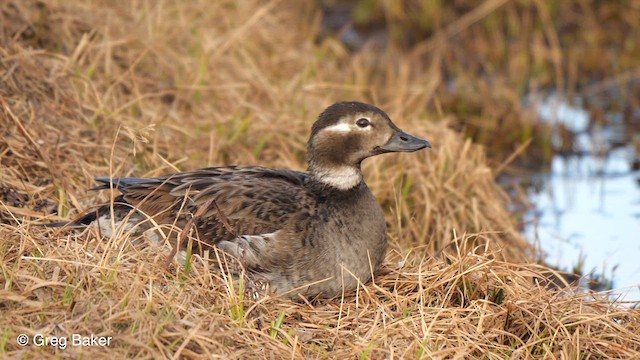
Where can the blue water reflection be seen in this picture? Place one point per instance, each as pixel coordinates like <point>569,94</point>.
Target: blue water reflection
<point>589,205</point>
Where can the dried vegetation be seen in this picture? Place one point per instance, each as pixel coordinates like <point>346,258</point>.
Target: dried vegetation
<point>146,88</point>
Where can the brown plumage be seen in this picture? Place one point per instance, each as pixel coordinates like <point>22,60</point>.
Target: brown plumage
<point>313,233</point>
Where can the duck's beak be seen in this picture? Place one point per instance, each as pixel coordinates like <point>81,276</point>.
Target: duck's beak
<point>401,141</point>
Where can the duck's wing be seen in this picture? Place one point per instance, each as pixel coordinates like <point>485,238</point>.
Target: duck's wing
<point>254,201</point>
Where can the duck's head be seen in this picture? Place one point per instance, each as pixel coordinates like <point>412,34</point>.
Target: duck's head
<point>347,133</point>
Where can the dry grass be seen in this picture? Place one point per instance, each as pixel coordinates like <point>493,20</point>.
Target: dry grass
<point>146,88</point>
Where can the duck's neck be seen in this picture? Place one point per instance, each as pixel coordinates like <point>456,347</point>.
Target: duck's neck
<point>342,178</point>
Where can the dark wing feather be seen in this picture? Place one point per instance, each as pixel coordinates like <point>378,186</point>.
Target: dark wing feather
<point>255,200</point>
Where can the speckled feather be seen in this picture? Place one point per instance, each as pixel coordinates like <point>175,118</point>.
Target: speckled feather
<point>255,200</point>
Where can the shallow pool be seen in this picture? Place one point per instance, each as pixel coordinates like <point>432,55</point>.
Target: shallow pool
<point>588,207</point>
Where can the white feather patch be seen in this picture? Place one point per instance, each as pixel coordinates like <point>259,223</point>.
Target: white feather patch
<point>347,125</point>
<point>248,248</point>
<point>340,127</point>
<point>107,229</point>
<point>343,178</point>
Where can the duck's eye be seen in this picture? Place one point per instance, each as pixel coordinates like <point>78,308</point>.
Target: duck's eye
<point>363,122</point>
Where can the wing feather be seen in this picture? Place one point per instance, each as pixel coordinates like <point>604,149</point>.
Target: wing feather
<point>255,200</point>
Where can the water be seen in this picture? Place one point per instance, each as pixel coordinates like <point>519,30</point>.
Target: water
<point>588,207</point>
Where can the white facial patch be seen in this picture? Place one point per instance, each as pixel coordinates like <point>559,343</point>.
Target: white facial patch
<point>340,127</point>
<point>349,125</point>
<point>343,178</point>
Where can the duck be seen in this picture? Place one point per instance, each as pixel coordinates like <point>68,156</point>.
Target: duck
<point>318,233</point>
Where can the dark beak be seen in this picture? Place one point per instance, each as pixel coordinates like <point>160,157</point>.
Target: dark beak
<point>401,141</point>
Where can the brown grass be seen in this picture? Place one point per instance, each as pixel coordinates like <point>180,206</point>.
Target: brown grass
<point>147,88</point>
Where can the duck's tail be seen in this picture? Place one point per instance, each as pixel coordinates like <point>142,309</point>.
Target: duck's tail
<point>78,223</point>
<point>121,211</point>
<point>120,206</point>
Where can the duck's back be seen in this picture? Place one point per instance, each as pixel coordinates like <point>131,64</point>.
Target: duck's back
<point>251,200</point>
